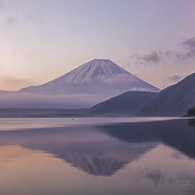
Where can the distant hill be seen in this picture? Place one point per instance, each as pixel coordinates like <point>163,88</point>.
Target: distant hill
<point>174,100</point>
<point>125,104</point>
<point>41,113</point>
<point>128,103</point>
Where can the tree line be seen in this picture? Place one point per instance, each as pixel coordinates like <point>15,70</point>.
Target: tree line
<point>191,111</point>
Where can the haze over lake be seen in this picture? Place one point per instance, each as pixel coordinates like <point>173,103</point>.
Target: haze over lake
<point>73,156</point>
<point>97,97</point>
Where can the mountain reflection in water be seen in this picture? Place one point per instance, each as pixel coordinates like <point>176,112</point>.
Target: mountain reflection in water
<point>105,149</point>
<point>86,148</point>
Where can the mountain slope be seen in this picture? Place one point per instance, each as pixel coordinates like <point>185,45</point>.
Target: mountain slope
<point>127,103</point>
<point>83,87</point>
<point>174,100</point>
<point>91,70</point>
<point>94,77</point>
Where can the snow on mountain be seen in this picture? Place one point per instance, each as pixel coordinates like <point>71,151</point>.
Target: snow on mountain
<point>92,70</point>
<point>85,86</point>
<point>95,77</point>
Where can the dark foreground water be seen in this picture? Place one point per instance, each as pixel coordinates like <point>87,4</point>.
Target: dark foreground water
<point>40,156</point>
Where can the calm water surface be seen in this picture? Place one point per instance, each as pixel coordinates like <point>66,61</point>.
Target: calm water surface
<point>97,156</point>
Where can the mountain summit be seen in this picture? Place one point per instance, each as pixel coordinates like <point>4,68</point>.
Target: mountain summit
<point>82,87</point>
<point>94,69</point>
<point>99,76</point>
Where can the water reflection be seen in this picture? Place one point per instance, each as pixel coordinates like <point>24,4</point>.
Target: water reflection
<point>140,158</point>
<point>106,149</point>
<point>86,148</point>
<point>177,134</point>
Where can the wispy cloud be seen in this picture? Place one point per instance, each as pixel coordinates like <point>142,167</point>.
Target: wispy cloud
<point>13,83</point>
<point>189,45</point>
<point>176,78</point>
<point>12,20</point>
<point>153,57</point>
<point>156,57</point>
<point>23,19</point>
<point>163,67</point>
<point>11,80</point>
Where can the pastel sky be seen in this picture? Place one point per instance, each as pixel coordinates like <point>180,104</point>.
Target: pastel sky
<point>43,39</point>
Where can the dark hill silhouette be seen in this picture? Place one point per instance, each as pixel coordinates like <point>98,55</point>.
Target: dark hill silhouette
<point>127,103</point>
<point>174,100</point>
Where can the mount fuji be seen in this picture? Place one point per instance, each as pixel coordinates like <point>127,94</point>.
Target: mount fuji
<point>95,77</point>
<point>89,84</point>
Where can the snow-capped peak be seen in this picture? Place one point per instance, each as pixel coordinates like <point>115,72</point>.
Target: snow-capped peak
<point>94,69</point>
<point>100,77</point>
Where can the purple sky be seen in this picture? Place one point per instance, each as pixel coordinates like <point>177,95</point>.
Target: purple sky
<point>44,39</point>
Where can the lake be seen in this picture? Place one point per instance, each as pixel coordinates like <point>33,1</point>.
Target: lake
<point>100,156</point>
